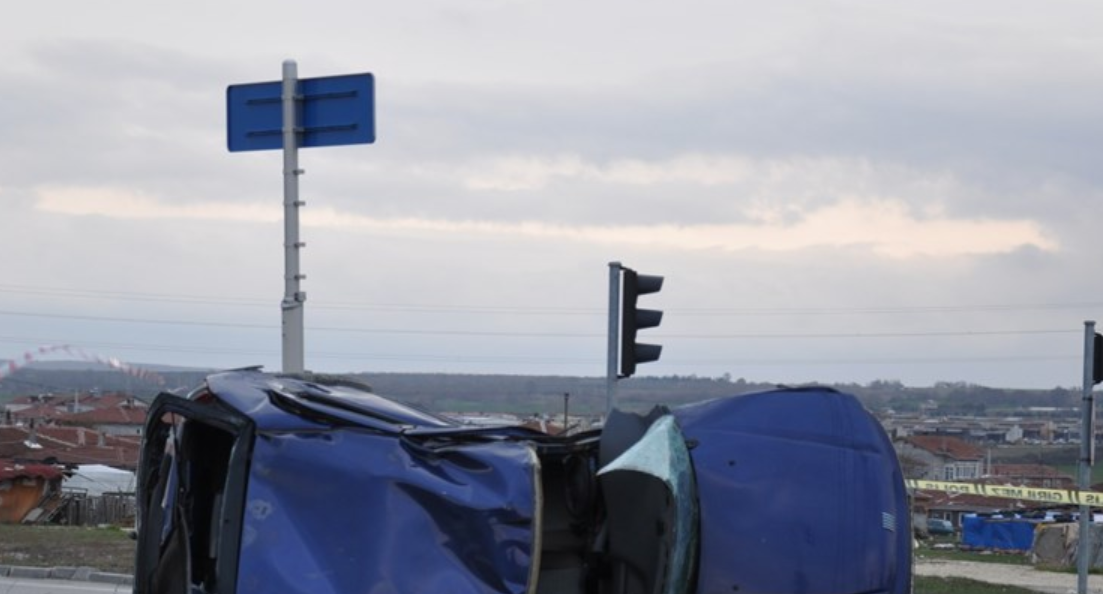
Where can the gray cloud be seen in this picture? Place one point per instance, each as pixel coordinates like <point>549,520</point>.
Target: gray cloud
<point>639,116</point>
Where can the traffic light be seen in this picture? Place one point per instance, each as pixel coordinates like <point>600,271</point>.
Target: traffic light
<point>1097,360</point>
<point>633,319</point>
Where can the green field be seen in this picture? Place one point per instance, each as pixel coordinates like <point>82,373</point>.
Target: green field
<point>112,550</point>
<point>105,549</point>
<point>925,552</point>
<point>937,585</point>
<point>1074,472</point>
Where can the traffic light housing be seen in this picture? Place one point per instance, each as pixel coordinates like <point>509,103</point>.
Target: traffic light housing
<point>634,319</point>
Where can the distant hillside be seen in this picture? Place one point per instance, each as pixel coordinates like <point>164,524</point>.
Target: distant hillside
<point>57,378</point>
<point>544,394</point>
<point>541,394</point>
<point>62,365</point>
<point>445,392</point>
<point>94,366</point>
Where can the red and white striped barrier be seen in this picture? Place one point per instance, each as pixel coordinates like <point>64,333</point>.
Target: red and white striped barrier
<point>33,355</point>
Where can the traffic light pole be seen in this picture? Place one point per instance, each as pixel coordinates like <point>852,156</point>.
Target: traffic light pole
<point>614,338</point>
<point>1087,458</point>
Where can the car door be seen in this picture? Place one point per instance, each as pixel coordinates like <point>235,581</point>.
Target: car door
<point>346,510</point>
<point>650,498</point>
<point>257,484</point>
<point>192,476</point>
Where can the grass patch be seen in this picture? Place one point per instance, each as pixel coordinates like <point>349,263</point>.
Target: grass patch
<point>112,550</point>
<point>978,556</point>
<point>1073,470</point>
<point>105,549</point>
<point>941,585</point>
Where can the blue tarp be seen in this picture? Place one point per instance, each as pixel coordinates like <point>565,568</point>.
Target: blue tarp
<point>1009,534</point>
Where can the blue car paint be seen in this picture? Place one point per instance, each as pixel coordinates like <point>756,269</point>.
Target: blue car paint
<point>329,509</point>
<point>800,493</point>
<point>277,402</point>
<point>331,512</point>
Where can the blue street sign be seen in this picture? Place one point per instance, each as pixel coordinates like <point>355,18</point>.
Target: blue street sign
<point>332,110</point>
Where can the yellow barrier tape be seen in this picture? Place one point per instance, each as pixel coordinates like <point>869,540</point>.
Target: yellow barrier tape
<point>1053,496</point>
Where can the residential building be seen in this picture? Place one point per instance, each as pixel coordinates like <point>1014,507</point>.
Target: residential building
<point>940,458</point>
<point>1030,475</point>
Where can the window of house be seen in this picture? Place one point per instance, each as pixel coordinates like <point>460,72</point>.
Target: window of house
<point>967,471</point>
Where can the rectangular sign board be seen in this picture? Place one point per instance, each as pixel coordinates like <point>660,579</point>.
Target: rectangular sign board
<point>331,110</point>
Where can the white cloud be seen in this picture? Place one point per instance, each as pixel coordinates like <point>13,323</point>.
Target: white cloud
<point>886,228</point>
<point>794,177</point>
<point>517,173</point>
<point>117,203</point>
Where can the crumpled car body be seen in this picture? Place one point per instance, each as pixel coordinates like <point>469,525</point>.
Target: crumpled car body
<point>260,483</point>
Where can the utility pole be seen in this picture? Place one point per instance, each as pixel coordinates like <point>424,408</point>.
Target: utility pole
<point>566,409</point>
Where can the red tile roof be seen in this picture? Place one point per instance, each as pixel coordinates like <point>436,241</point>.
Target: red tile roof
<point>969,502</point>
<point>11,441</point>
<point>113,415</point>
<point>115,451</point>
<point>61,400</point>
<point>10,469</point>
<point>106,409</point>
<point>35,411</point>
<point>944,445</point>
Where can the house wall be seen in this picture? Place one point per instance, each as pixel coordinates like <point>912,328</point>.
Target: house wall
<point>19,496</point>
<point>940,468</point>
<point>928,467</point>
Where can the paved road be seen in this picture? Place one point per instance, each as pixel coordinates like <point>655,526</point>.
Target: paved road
<point>35,586</point>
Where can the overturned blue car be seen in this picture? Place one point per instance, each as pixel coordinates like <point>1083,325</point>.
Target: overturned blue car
<point>268,483</point>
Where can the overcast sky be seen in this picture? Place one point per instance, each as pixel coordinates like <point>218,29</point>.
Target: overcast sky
<point>834,191</point>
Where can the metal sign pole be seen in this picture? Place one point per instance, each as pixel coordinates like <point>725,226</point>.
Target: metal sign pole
<point>1087,458</point>
<point>290,114</point>
<point>614,338</point>
<point>293,297</point>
